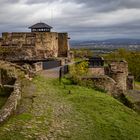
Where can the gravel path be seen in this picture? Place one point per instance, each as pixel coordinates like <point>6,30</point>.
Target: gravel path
<point>42,115</point>
<point>51,73</point>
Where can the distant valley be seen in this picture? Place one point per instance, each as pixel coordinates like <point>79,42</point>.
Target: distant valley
<point>107,46</point>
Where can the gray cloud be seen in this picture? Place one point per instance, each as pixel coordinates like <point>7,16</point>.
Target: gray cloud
<point>83,19</point>
<point>117,3</point>
<point>38,1</point>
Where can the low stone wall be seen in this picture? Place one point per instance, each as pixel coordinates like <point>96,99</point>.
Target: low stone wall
<point>105,83</point>
<point>102,82</point>
<point>118,70</point>
<point>97,71</point>
<point>11,71</point>
<point>38,66</point>
<point>12,103</point>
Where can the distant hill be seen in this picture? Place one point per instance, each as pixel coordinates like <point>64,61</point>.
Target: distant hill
<point>106,42</point>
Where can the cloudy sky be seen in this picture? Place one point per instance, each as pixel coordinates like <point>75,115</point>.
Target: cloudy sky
<point>82,19</point>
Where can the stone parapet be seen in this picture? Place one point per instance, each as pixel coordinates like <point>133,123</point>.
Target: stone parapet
<point>11,105</point>
<point>11,75</point>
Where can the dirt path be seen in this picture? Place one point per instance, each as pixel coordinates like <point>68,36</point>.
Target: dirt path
<point>42,115</point>
<point>51,73</point>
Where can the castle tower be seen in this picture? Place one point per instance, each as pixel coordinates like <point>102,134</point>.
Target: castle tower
<point>119,72</point>
<point>40,27</point>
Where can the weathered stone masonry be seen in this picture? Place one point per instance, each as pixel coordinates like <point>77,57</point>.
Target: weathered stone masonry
<point>113,78</point>
<point>34,45</point>
<point>11,105</point>
<point>12,73</point>
<point>119,72</point>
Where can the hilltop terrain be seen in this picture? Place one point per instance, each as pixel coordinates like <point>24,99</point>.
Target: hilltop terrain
<point>53,110</point>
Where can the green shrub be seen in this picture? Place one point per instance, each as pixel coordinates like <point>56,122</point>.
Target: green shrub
<point>77,71</point>
<point>76,74</point>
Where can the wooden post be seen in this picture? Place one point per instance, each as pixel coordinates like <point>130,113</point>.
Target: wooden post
<point>0,77</point>
<point>60,74</point>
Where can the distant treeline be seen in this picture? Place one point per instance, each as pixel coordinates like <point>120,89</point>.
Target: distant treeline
<point>81,53</point>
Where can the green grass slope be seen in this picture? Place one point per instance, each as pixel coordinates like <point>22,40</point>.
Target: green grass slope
<point>50,110</point>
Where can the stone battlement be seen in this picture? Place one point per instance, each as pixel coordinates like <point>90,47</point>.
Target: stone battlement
<point>43,44</point>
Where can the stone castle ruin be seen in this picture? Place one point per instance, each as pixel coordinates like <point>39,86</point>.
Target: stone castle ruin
<point>39,44</point>
<point>39,47</point>
<point>113,78</point>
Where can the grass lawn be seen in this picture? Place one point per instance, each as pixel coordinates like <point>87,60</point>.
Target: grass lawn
<point>64,111</point>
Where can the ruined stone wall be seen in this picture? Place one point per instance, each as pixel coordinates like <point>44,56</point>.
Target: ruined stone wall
<point>119,66</point>
<point>121,79</point>
<point>17,46</point>
<point>37,45</point>
<point>130,82</point>
<point>46,44</point>
<point>17,53</point>
<point>10,72</point>
<point>114,78</point>
<point>18,39</point>
<point>103,83</point>
<point>33,45</point>
<point>97,71</point>
<point>63,45</point>
<point>17,73</point>
<point>38,66</point>
<point>119,71</point>
<point>12,103</point>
